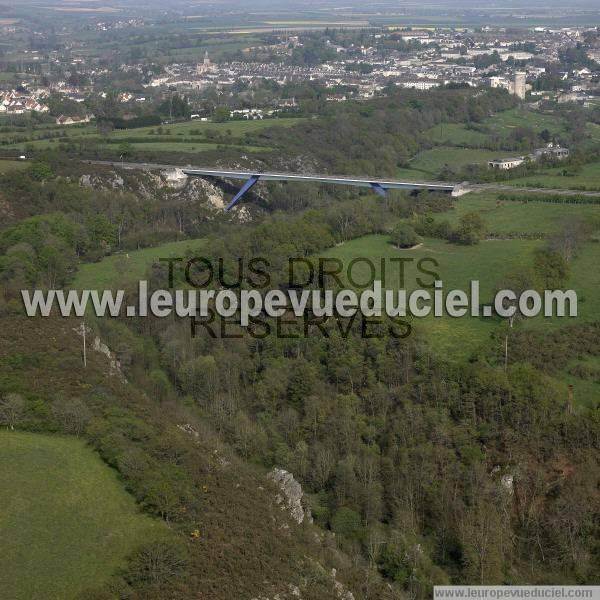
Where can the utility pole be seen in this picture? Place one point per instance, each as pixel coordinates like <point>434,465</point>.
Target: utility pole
<point>82,331</point>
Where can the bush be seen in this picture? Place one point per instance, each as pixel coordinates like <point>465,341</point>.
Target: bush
<point>404,236</point>
<point>471,229</point>
<point>346,522</point>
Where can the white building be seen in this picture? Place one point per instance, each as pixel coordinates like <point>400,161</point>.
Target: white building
<point>504,164</point>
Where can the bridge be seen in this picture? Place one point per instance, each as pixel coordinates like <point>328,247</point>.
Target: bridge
<point>379,186</point>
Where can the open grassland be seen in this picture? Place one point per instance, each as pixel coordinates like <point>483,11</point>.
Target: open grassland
<point>456,134</point>
<point>434,160</point>
<point>230,133</point>
<point>456,267</point>
<point>195,127</point>
<point>158,146</point>
<point>500,124</point>
<point>11,165</point>
<point>503,122</point>
<point>130,266</point>
<point>66,523</point>
<point>588,178</point>
<point>510,217</point>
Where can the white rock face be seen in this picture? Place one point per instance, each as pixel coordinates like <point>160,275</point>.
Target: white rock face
<point>291,495</point>
<point>85,181</point>
<point>508,483</point>
<point>340,589</point>
<point>114,364</point>
<point>213,194</point>
<point>175,178</point>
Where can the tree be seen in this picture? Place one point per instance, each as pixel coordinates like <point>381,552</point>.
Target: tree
<point>40,171</point>
<point>346,522</point>
<point>517,281</point>
<point>105,127</point>
<point>125,149</point>
<point>404,236</point>
<point>568,240</point>
<point>12,408</point>
<point>221,114</point>
<point>551,268</point>
<point>471,229</point>
<point>72,415</point>
<point>175,107</point>
<point>157,563</point>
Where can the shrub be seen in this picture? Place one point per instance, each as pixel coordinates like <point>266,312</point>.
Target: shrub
<point>404,236</point>
<point>471,229</point>
<point>346,522</point>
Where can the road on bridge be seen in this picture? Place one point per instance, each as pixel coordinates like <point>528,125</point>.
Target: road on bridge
<point>464,187</point>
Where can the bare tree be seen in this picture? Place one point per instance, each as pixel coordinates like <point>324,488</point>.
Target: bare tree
<point>12,408</point>
<point>569,239</point>
<point>72,414</point>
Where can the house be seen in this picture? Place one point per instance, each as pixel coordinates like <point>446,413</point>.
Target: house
<point>506,163</point>
<point>553,152</point>
<point>73,120</point>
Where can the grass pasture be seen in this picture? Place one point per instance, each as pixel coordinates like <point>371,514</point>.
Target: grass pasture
<point>509,217</point>
<point>588,178</point>
<point>434,160</point>
<point>500,124</point>
<point>457,266</point>
<point>196,136</point>
<point>457,339</point>
<point>455,134</point>
<point>11,165</point>
<point>503,122</point>
<point>66,522</point>
<point>129,266</point>
<point>236,128</point>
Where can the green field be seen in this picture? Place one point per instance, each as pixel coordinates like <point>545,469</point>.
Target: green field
<point>160,138</point>
<point>129,266</point>
<point>66,523</point>
<point>511,217</point>
<point>434,160</point>
<point>184,147</point>
<point>455,134</point>
<point>503,122</point>
<point>11,165</point>
<point>235,127</point>
<point>588,178</point>
<point>458,265</point>
<point>500,124</point>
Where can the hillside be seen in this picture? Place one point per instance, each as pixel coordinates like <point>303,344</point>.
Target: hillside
<point>172,462</point>
<point>67,523</point>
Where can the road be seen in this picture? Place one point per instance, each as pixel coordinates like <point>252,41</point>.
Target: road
<point>465,187</point>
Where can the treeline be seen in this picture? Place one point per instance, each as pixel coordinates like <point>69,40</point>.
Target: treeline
<point>379,136</point>
<point>134,123</point>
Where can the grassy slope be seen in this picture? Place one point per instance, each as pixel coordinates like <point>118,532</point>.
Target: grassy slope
<point>11,165</point>
<point>434,160</point>
<point>501,124</point>
<point>107,273</point>
<point>511,217</point>
<point>458,265</point>
<point>66,523</point>
<point>237,128</point>
<point>587,178</point>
